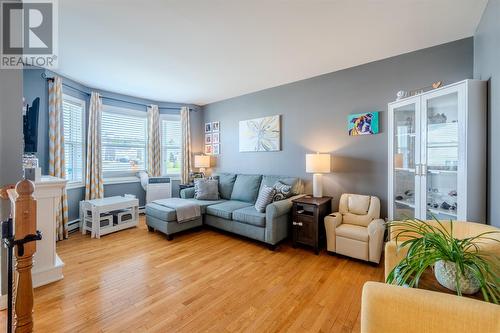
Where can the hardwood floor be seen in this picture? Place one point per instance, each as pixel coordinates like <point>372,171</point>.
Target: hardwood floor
<point>136,281</point>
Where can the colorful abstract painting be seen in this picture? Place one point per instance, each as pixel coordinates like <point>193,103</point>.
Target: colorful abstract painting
<point>260,134</point>
<point>363,123</point>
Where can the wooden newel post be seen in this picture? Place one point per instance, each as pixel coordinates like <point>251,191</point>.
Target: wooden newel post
<point>25,224</point>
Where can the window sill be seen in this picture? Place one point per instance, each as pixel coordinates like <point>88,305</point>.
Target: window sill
<point>74,185</point>
<point>121,180</point>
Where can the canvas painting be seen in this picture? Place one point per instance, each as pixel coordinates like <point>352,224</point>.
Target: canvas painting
<point>363,123</point>
<point>260,134</point>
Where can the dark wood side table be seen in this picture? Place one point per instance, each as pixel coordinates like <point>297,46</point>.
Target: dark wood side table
<point>308,227</point>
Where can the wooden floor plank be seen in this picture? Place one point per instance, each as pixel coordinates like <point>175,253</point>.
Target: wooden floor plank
<point>204,280</point>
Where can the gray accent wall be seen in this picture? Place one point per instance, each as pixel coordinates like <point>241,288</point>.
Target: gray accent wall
<point>11,144</point>
<point>314,118</point>
<point>487,67</point>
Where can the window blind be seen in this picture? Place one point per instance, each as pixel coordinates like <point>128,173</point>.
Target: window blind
<point>74,141</point>
<point>124,142</point>
<point>171,136</point>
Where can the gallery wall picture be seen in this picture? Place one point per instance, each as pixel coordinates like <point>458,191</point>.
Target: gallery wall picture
<point>208,138</point>
<point>216,149</point>
<point>363,123</point>
<point>208,127</point>
<point>260,134</point>
<point>208,149</point>
<point>215,126</point>
<point>215,138</point>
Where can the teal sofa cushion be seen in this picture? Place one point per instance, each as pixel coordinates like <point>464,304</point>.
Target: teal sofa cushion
<point>205,203</point>
<point>226,183</point>
<point>250,215</point>
<point>294,182</point>
<point>246,188</point>
<point>226,209</point>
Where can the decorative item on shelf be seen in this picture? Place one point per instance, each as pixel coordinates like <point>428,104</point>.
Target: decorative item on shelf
<point>215,126</point>
<point>437,118</point>
<point>398,161</point>
<point>401,94</point>
<point>459,264</point>
<point>216,149</point>
<point>434,85</point>
<point>202,162</point>
<point>363,123</point>
<point>208,139</point>
<point>208,127</point>
<point>317,164</point>
<point>260,134</point>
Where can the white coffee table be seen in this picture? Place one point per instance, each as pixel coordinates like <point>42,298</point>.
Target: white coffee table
<point>106,205</point>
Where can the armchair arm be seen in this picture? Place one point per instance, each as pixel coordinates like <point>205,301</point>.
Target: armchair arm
<point>388,308</point>
<point>376,231</point>
<point>187,193</point>
<point>332,221</point>
<point>393,256</point>
<point>277,219</point>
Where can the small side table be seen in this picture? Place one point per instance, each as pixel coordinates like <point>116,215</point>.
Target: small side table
<point>308,227</point>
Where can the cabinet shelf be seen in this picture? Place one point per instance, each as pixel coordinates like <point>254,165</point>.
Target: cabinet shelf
<point>405,170</point>
<point>437,211</point>
<point>405,203</point>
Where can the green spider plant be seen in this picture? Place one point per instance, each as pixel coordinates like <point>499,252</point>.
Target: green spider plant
<point>428,244</point>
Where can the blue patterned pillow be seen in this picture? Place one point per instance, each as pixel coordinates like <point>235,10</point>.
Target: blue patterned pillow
<point>283,191</point>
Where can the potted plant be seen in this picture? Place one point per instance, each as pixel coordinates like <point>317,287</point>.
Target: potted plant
<point>458,264</point>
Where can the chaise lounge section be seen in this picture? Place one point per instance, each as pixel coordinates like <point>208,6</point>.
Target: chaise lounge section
<point>235,211</point>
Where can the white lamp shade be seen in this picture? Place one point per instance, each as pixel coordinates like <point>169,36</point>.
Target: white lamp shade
<point>202,161</point>
<point>318,163</point>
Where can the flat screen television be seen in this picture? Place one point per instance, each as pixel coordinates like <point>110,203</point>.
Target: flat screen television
<point>30,127</point>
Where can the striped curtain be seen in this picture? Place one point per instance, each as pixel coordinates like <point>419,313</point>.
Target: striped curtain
<point>56,152</point>
<point>94,188</point>
<point>185,145</point>
<point>154,145</point>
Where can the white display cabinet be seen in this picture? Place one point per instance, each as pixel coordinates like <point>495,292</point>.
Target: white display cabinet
<point>437,154</point>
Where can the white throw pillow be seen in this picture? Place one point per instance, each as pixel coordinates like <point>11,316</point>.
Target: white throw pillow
<point>265,197</point>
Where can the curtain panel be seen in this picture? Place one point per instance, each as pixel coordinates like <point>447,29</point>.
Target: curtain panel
<point>56,152</point>
<point>94,187</point>
<point>154,144</point>
<point>185,145</point>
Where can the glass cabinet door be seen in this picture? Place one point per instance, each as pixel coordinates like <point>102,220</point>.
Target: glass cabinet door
<point>441,156</point>
<point>405,148</point>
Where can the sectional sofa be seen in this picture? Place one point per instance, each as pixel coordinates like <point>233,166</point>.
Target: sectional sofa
<point>234,211</point>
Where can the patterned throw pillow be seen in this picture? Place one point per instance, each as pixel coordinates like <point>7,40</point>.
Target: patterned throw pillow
<point>206,189</point>
<point>266,195</point>
<point>283,191</point>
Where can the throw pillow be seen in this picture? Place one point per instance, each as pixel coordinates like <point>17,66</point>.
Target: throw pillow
<point>206,189</point>
<point>283,191</point>
<point>266,195</point>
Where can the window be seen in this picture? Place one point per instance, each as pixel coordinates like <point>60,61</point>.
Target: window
<point>74,137</point>
<point>124,141</point>
<point>171,136</point>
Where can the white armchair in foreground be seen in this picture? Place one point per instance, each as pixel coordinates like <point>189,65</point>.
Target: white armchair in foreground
<point>356,230</point>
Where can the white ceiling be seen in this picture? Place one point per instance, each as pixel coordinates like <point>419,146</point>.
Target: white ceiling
<point>201,51</point>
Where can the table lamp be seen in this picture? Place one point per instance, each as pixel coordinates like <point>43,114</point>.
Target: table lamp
<point>317,164</point>
<point>202,162</point>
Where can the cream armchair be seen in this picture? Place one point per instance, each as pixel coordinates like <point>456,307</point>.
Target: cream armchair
<point>356,230</point>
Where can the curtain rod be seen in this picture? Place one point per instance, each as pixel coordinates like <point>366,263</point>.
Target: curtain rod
<point>115,99</point>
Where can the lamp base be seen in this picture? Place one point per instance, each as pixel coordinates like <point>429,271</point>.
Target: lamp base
<point>317,185</point>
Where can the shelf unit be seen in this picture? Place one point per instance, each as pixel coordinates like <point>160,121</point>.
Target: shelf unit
<point>437,146</point>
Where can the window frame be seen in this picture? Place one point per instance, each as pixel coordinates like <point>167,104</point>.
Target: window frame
<point>83,103</point>
<point>113,176</point>
<point>171,117</point>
